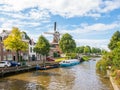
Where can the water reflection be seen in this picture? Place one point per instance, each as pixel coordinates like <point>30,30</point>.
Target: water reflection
<point>13,84</point>
<point>80,77</point>
<point>38,73</point>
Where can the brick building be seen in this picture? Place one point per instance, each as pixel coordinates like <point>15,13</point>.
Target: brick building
<point>8,54</point>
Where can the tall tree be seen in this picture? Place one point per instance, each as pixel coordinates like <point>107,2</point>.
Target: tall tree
<point>114,40</point>
<point>87,50</point>
<point>80,49</point>
<point>116,56</point>
<point>93,50</point>
<point>67,44</point>
<point>14,42</point>
<point>42,46</point>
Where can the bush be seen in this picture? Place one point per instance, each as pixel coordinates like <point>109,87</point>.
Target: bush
<point>102,64</point>
<point>71,55</point>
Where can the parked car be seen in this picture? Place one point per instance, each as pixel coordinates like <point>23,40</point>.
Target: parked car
<point>5,64</point>
<point>14,63</point>
<point>50,59</point>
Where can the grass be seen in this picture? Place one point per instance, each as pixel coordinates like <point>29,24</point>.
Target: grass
<point>60,59</point>
<point>86,58</point>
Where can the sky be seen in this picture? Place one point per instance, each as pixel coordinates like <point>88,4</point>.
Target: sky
<point>90,22</point>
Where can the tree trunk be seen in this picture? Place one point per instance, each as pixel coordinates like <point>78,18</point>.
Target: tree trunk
<point>17,55</point>
<point>44,60</point>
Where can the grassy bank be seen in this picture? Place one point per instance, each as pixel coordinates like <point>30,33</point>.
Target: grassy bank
<point>84,58</point>
<point>60,59</point>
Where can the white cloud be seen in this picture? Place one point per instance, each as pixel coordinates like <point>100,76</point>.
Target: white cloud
<point>33,14</point>
<point>63,8</point>
<point>85,28</point>
<point>10,5</point>
<point>38,14</point>
<point>93,43</point>
<point>109,5</point>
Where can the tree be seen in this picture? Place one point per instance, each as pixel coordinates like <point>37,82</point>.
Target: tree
<point>87,50</point>
<point>42,46</point>
<point>14,42</point>
<point>116,56</point>
<point>96,50</point>
<point>93,50</point>
<point>103,51</point>
<point>80,49</point>
<point>67,44</point>
<point>113,42</point>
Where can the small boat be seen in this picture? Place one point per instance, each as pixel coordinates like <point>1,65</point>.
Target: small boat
<point>70,62</point>
<point>47,67</point>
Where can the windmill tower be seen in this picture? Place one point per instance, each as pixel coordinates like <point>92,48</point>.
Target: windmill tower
<point>55,41</point>
<point>56,35</point>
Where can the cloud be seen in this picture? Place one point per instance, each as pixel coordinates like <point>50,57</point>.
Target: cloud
<point>85,28</point>
<point>93,43</point>
<point>63,8</point>
<point>109,5</point>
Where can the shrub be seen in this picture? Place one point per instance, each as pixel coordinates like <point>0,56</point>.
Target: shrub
<point>71,55</point>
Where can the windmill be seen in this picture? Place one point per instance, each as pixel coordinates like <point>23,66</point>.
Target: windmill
<point>56,35</point>
<point>55,42</point>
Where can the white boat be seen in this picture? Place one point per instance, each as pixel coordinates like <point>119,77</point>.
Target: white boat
<point>70,62</point>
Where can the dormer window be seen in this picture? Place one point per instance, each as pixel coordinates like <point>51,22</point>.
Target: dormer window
<point>23,36</point>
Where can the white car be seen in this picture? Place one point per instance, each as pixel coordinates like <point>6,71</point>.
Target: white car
<point>5,64</point>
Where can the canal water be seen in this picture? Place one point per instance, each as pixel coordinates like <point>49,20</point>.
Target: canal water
<point>80,77</point>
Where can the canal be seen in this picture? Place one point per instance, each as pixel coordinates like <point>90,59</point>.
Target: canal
<point>80,77</point>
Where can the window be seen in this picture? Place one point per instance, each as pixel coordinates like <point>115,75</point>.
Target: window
<point>23,36</point>
<point>31,49</point>
<point>4,49</point>
<point>0,38</point>
<point>4,57</point>
<point>9,57</point>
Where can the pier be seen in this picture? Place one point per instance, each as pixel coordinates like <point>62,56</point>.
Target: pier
<point>25,68</point>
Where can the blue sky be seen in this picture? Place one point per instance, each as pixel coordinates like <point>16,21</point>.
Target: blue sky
<point>90,22</point>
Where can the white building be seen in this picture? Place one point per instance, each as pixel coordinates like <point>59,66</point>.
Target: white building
<point>32,54</point>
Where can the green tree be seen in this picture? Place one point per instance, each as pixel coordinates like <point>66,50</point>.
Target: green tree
<point>93,50</point>
<point>14,42</point>
<point>80,49</point>
<point>67,44</point>
<point>116,56</point>
<point>103,51</point>
<point>42,46</point>
<point>87,50</point>
<point>113,42</point>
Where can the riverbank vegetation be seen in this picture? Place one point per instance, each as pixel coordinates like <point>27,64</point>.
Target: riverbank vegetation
<point>111,60</point>
<point>68,47</point>
<point>87,50</point>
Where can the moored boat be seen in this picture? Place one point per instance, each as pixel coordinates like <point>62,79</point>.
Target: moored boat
<point>47,67</point>
<point>70,62</point>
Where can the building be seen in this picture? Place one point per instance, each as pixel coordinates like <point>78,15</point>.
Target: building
<point>11,55</point>
<point>32,54</point>
<point>54,49</point>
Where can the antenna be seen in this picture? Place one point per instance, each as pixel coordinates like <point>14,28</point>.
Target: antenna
<point>55,26</point>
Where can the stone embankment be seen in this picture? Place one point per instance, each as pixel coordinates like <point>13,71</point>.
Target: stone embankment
<point>115,86</point>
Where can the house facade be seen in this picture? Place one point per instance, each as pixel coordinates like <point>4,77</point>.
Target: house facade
<point>32,54</point>
<point>8,54</point>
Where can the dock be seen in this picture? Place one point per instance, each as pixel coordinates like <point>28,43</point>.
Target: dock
<point>13,70</point>
<point>19,69</point>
